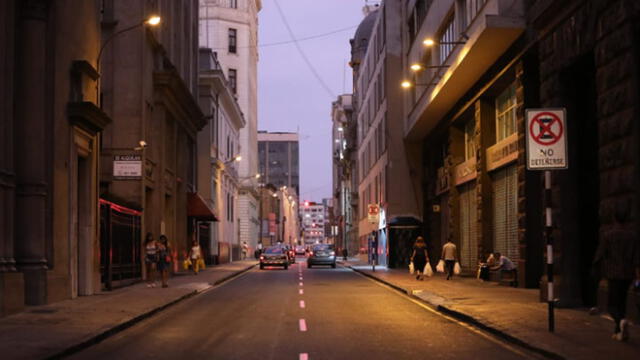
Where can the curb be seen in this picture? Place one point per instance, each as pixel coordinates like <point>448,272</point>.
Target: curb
<point>468,319</point>
<point>129,323</point>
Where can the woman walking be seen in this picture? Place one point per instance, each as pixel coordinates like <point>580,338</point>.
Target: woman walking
<point>164,260</point>
<point>195,254</point>
<point>420,257</point>
<point>151,258</point>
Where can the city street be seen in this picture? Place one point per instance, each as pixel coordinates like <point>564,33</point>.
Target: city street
<point>300,313</point>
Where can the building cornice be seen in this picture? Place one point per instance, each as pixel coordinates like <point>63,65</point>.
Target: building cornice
<point>221,87</point>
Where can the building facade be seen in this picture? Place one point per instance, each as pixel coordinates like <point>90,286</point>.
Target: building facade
<point>345,173</point>
<point>50,126</point>
<point>217,168</point>
<point>278,159</point>
<point>383,175</point>
<point>312,217</point>
<point>467,116</point>
<point>230,29</point>
<point>149,85</point>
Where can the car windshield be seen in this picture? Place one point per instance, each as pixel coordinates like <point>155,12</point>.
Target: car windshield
<point>273,250</point>
<point>323,247</point>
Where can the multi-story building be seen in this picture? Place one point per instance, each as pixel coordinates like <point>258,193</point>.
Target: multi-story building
<point>383,175</point>
<point>217,147</point>
<point>149,85</point>
<point>312,217</point>
<point>230,29</point>
<point>479,69</point>
<point>278,154</point>
<point>50,125</point>
<point>345,183</point>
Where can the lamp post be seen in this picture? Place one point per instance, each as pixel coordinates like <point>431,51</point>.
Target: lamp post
<point>153,20</point>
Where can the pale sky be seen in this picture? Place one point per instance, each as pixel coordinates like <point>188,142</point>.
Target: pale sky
<point>290,98</point>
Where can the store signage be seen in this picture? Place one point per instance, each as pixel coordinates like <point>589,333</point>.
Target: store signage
<point>503,153</point>
<point>546,139</point>
<point>127,166</point>
<point>374,213</point>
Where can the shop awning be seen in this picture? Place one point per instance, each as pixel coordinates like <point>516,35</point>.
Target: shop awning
<point>198,208</point>
<point>404,222</point>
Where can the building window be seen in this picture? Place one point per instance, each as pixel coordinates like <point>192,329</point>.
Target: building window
<point>233,79</point>
<point>469,143</point>
<point>233,4</point>
<point>506,113</point>
<point>446,40</point>
<point>233,40</point>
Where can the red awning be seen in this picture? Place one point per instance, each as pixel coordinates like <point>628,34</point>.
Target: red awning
<point>197,208</point>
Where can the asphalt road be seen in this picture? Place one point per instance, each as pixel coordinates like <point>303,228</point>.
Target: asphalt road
<point>300,313</point>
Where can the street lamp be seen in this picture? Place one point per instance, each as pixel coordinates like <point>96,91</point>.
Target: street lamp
<point>417,67</point>
<point>430,42</point>
<point>406,84</point>
<point>153,20</point>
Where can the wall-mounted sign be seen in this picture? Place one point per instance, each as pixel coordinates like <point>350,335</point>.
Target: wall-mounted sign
<point>546,139</point>
<point>127,167</point>
<point>374,213</point>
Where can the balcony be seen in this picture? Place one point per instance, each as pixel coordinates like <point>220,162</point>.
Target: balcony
<point>494,28</point>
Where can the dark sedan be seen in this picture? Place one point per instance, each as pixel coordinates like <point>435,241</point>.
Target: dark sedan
<point>322,254</point>
<point>274,256</point>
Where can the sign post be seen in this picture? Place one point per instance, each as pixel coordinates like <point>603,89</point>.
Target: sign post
<point>547,150</point>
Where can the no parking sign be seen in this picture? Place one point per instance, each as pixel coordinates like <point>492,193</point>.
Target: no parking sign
<point>546,139</point>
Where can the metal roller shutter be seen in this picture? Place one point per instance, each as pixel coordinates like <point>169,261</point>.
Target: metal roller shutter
<point>505,212</point>
<point>468,226</point>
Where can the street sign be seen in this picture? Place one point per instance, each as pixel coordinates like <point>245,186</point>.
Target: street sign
<point>374,213</point>
<point>127,166</point>
<point>546,132</point>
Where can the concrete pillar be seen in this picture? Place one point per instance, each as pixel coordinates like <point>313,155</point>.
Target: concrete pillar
<point>30,147</point>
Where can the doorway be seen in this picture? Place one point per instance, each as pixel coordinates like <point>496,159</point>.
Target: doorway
<point>581,233</point>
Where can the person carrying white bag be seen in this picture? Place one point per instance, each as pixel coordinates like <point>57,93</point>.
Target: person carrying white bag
<point>420,260</point>
<point>449,255</point>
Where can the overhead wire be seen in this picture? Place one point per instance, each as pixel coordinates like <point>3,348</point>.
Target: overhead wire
<point>301,52</point>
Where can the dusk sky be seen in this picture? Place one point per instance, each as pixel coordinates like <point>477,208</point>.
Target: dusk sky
<point>290,97</point>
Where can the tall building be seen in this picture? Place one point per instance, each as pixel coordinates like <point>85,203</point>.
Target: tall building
<point>278,154</point>
<point>217,168</point>
<point>230,29</point>
<point>384,179</point>
<point>50,126</point>
<point>345,173</point>
<point>312,222</point>
<point>149,86</point>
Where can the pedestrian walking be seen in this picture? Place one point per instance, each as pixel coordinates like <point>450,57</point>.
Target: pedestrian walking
<point>164,260</point>
<point>449,254</point>
<point>419,257</point>
<point>151,258</point>
<point>195,255</point>
<point>245,250</point>
<point>618,257</point>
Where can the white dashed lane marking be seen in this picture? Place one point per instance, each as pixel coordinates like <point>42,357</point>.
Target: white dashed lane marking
<point>301,283</point>
<point>302,304</point>
<point>303,325</point>
<point>300,291</point>
<point>304,356</point>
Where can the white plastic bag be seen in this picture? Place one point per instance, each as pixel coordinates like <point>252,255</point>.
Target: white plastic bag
<point>428,270</point>
<point>440,266</point>
<point>456,268</point>
<point>411,268</point>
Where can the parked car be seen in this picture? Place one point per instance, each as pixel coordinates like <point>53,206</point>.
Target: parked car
<point>274,256</point>
<point>322,254</point>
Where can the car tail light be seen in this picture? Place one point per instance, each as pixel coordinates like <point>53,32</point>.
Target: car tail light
<point>333,253</point>
<point>261,257</point>
<point>310,253</point>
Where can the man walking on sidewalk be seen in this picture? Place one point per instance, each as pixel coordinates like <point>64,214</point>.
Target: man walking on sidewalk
<point>618,257</point>
<point>449,251</point>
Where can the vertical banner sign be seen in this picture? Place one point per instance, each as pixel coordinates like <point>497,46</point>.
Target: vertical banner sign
<point>546,139</point>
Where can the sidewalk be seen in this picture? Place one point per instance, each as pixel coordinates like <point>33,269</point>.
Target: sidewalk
<point>513,314</point>
<point>63,327</point>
